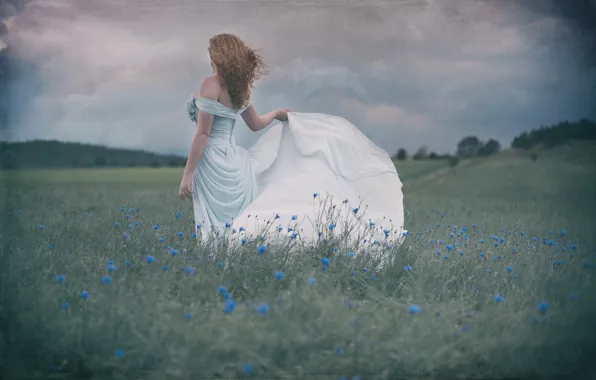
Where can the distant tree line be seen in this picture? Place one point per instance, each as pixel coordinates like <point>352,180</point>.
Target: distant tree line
<point>557,134</point>
<point>58,154</point>
<point>468,147</point>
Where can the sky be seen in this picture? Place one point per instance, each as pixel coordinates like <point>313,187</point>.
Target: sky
<point>407,73</point>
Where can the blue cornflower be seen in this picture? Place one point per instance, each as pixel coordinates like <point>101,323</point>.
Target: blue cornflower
<point>228,225</point>
<point>65,305</point>
<point>461,253</point>
<point>355,210</point>
<point>106,279</point>
<point>248,368</point>
<point>543,307</point>
<point>325,261</point>
<point>116,224</point>
<point>414,309</point>
<point>119,354</point>
<point>189,270</point>
<point>279,275</point>
<point>294,217</point>
<point>312,281</point>
<point>262,249</point>
<point>499,298</point>
<point>244,241</point>
<point>351,254</point>
<point>315,195</point>
<point>188,315</point>
<point>165,268</point>
<point>150,259</point>
<point>509,269</point>
<point>178,215</point>
<point>408,268</point>
<point>84,294</point>
<point>229,306</point>
<point>372,224</point>
<point>338,351</point>
<point>60,278</point>
<point>262,309</point>
<point>332,226</point>
<point>180,234</point>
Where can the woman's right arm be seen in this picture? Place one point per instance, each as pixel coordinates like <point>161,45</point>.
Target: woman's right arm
<point>257,122</point>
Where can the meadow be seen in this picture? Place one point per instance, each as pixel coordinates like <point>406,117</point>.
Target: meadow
<point>102,278</point>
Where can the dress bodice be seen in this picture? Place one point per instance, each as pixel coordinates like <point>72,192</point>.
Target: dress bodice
<point>224,120</point>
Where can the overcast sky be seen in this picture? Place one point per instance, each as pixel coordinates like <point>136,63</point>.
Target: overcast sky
<point>407,73</point>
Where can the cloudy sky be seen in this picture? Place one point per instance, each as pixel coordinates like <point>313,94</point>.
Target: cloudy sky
<point>406,72</point>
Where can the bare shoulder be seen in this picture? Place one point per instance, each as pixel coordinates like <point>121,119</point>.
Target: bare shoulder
<point>210,88</point>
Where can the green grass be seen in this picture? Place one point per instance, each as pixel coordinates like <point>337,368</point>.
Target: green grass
<point>352,321</point>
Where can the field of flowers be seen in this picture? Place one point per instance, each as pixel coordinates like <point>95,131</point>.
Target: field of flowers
<point>495,278</point>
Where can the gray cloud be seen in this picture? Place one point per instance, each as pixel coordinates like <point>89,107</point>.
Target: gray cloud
<point>406,72</point>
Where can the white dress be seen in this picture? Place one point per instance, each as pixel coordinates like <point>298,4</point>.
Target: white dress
<point>310,178</point>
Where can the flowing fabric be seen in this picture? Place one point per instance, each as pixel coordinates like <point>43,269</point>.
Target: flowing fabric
<point>303,178</point>
<point>313,162</point>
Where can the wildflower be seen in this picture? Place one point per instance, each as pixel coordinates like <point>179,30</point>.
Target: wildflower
<point>499,298</point>
<point>189,270</point>
<point>279,275</point>
<point>355,210</point>
<point>332,226</point>
<point>229,306</point>
<point>65,305</point>
<point>111,267</point>
<point>106,279</point>
<point>262,309</point>
<point>312,281</point>
<point>372,224</point>
<point>180,234</point>
<point>244,241</point>
<point>119,354</point>
<point>294,217</point>
<point>414,309</point>
<point>188,316</point>
<point>338,351</point>
<point>262,249</point>
<point>248,369</point>
<point>350,254</point>
<point>574,296</point>
<point>315,195</point>
<point>509,269</point>
<point>228,225</point>
<point>461,253</point>
<point>117,224</point>
<point>543,307</point>
<point>325,261</point>
<point>165,268</point>
<point>446,257</point>
<point>408,268</point>
<point>84,294</point>
<point>150,259</point>
<point>161,240</point>
<point>178,215</point>
<point>60,278</point>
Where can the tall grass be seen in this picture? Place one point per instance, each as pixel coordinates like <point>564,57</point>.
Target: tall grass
<point>478,288</point>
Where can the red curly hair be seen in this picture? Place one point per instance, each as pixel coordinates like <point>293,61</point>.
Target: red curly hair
<point>238,66</point>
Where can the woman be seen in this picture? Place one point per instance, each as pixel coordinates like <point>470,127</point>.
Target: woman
<point>299,176</point>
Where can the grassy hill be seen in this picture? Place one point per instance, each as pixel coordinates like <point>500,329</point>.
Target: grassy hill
<point>58,154</point>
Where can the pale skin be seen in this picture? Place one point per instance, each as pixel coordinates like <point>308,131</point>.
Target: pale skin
<point>211,88</point>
